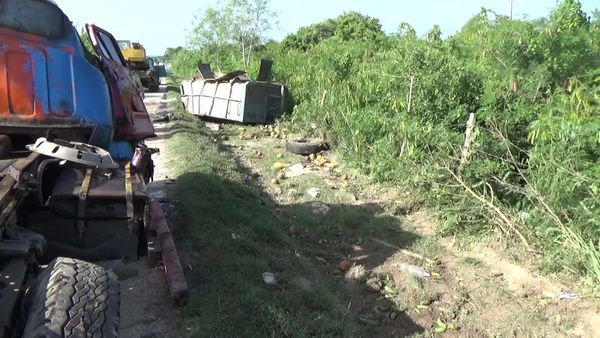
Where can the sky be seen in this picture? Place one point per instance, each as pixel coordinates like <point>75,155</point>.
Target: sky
<point>159,24</point>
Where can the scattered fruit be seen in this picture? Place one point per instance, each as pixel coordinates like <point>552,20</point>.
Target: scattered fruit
<point>441,327</point>
<point>344,265</point>
<point>280,165</point>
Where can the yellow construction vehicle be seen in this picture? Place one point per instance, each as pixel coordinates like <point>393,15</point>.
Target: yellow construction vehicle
<point>137,61</point>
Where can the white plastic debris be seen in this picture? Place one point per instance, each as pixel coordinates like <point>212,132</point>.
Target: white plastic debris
<point>567,295</point>
<point>417,271</point>
<point>313,192</point>
<point>269,278</point>
<point>296,168</point>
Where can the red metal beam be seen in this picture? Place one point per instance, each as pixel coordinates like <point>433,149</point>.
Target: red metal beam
<point>178,287</point>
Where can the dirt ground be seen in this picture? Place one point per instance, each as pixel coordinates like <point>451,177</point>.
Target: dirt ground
<point>473,290</point>
<point>146,310</point>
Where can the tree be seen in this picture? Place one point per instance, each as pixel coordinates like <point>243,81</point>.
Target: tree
<point>171,52</point>
<point>242,24</point>
<point>350,26</point>
<point>405,30</point>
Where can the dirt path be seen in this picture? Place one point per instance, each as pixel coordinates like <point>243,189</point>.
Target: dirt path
<point>146,309</point>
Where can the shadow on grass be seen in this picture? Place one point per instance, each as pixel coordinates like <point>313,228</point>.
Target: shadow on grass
<point>231,234</point>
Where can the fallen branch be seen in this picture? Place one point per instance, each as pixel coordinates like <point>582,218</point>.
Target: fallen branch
<point>403,251</point>
<point>503,217</point>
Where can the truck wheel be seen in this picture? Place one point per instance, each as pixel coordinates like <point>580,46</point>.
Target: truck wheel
<point>306,146</point>
<point>72,298</point>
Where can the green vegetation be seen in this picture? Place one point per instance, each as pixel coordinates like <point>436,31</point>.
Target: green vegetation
<point>236,236</point>
<point>397,108</point>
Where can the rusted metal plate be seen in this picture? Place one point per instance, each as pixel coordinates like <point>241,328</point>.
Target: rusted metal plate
<point>17,167</point>
<point>12,174</point>
<point>178,287</point>
<point>101,186</point>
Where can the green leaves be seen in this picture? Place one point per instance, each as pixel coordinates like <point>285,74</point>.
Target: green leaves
<point>534,85</point>
<point>242,24</point>
<point>350,26</point>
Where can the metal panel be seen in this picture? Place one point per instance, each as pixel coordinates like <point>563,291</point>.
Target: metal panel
<point>240,101</point>
<point>49,83</point>
<point>20,83</point>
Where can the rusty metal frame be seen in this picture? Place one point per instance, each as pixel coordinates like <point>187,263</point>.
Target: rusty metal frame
<point>83,193</point>
<point>178,287</point>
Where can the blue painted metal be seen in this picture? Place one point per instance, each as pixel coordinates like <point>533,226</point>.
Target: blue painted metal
<point>121,150</point>
<point>67,89</point>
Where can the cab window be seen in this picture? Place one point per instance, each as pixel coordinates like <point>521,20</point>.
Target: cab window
<point>109,48</point>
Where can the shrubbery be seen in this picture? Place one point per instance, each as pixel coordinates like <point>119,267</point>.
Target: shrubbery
<point>532,171</point>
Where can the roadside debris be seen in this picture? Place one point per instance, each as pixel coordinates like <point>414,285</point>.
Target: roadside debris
<point>269,278</point>
<point>296,168</point>
<point>234,96</point>
<point>356,272</point>
<point>344,265</point>
<point>313,192</point>
<point>280,165</point>
<point>275,131</point>
<point>213,126</point>
<point>567,295</point>
<point>417,271</point>
<point>306,146</point>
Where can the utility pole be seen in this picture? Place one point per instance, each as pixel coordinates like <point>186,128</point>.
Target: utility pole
<point>510,9</point>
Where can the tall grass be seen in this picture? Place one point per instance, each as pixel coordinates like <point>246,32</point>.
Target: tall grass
<point>397,107</point>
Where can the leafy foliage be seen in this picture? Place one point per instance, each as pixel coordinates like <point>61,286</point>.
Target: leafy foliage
<point>234,24</point>
<point>397,107</point>
<point>351,26</point>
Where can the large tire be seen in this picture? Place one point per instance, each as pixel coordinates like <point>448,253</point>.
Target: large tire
<point>72,298</point>
<point>306,146</point>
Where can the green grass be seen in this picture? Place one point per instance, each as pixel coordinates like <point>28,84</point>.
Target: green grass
<point>238,238</point>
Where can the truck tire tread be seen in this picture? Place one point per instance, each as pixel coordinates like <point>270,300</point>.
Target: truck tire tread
<point>73,298</point>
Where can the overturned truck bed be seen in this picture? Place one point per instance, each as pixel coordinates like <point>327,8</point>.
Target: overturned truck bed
<point>234,97</point>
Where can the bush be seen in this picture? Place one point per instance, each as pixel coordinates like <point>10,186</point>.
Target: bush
<point>397,106</point>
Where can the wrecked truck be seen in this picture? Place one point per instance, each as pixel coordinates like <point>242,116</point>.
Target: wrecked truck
<point>234,97</point>
<point>73,175</point>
